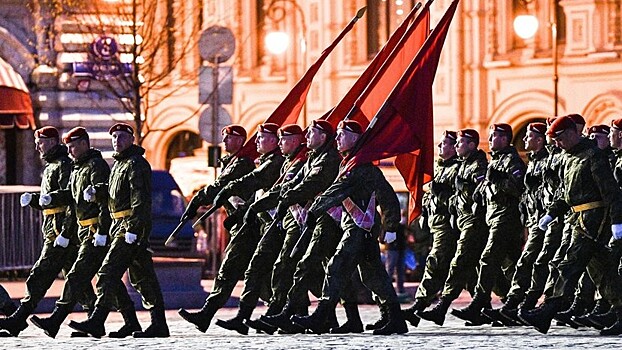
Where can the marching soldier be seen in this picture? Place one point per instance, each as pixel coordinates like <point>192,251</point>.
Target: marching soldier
<point>535,142</point>
<point>93,219</point>
<point>501,190</point>
<point>240,249</point>
<point>470,221</point>
<point>357,191</point>
<point>590,191</point>
<point>445,232</point>
<point>60,246</point>
<point>257,276</point>
<point>129,202</point>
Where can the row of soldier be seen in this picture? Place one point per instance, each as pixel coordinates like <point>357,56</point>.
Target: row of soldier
<point>567,197</point>
<point>298,226</point>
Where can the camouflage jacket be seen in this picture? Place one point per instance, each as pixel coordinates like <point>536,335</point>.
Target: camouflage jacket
<point>534,185</point>
<point>129,188</point>
<point>552,174</point>
<point>471,173</point>
<point>587,177</point>
<point>617,167</point>
<point>358,185</point>
<point>90,169</point>
<point>442,188</point>
<point>503,186</point>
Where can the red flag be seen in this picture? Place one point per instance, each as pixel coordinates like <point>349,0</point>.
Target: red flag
<point>404,125</point>
<point>288,111</point>
<point>345,104</point>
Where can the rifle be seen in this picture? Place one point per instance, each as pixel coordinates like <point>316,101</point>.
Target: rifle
<point>207,214</point>
<point>303,240</point>
<point>175,232</point>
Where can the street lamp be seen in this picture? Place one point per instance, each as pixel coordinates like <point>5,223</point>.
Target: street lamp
<point>526,26</point>
<point>277,41</point>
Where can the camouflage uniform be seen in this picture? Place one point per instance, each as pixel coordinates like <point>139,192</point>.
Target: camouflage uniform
<point>445,232</point>
<point>7,307</point>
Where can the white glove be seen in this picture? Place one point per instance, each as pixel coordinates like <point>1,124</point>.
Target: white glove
<point>25,199</point>
<point>544,222</point>
<point>89,193</point>
<point>130,238</point>
<point>61,241</point>
<point>390,237</point>
<point>45,199</point>
<point>99,240</point>
<point>616,230</point>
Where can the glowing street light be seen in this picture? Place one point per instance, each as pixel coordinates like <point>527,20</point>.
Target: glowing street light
<point>526,26</point>
<point>277,42</point>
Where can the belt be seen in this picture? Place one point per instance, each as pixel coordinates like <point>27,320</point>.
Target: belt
<point>52,211</point>
<point>88,222</point>
<point>587,206</point>
<point>121,214</point>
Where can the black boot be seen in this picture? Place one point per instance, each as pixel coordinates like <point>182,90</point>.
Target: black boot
<point>158,327</point>
<point>541,317</point>
<point>316,322</point>
<point>473,312</point>
<point>384,318</point>
<point>51,325</point>
<point>410,313</point>
<point>131,324</point>
<point>496,315</point>
<point>8,308</point>
<point>353,323</point>
<point>577,308</point>
<point>616,328</point>
<point>94,325</point>
<point>16,323</point>
<point>237,323</point>
<point>261,326</point>
<point>200,319</point>
<point>605,320</point>
<point>437,314</point>
<point>602,306</point>
<point>280,319</point>
<point>396,324</point>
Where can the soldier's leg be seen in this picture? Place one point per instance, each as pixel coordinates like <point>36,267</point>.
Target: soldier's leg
<point>541,267</point>
<point>560,254</point>
<point>7,306</point>
<point>284,269</point>
<point>521,280</point>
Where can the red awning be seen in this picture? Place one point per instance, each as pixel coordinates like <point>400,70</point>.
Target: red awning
<point>15,109</point>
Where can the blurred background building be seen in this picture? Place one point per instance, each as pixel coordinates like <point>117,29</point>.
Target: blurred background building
<point>144,62</point>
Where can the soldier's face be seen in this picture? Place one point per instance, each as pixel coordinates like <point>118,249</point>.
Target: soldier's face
<point>615,138</point>
<point>121,140</point>
<point>464,146</point>
<point>43,145</point>
<point>266,142</point>
<point>233,143</point>
<point>77,148</point>
<point>602,141</point>
<point>315,138</point>
<point>345,140</point>
<point>446,148</point>
<point>567,139</point>
<point>533,141</point>
<point>497,141</point>
<point>289,143</point>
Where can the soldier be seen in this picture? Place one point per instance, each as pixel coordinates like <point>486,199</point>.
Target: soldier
<point>589,190</point>
<point>357,191</point>
<point>445,232</point>
<point>129,202</point>
<point>60,246</point>
<point>304,271</point>
<point>535,142</point>
<point>501,190</point>
<point>93,219</point>
<point>243,243</point>
<point>257,276</point>
<point>600,135</point>
<point>234,167</point>
<point>470,222</point>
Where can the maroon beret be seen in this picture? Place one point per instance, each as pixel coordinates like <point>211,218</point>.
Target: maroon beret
<point>75,134</point>
<point>577,118</point>
<point>501,127</point>
<point>270,128</point>
<point>470,133</point>
<point>599,129</point>
<point>560,125</point>
<point>450,134</point>
<point>290,129</point>
<point>47,132</point>
<point>537,127</point>
<point>550,120</point>
<point>324,126</point>
<point>617,124</point>
<point>234,129</point>
<point>121,127</point>
<point>351,126</point>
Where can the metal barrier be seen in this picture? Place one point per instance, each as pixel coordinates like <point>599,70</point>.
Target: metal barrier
<point>20,230</point>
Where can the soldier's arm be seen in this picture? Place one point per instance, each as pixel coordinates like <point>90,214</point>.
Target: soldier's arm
<point>240,168</point>
<point>264,176</point>
<point>606,183</point>
<point>268,201</point>
<point>336,193</point>
<point>69,226</point>
<point>321,175</point>
<point>513,184</point>
<point>388,202</point>
<point>100,173</point>
<point>139,178</point>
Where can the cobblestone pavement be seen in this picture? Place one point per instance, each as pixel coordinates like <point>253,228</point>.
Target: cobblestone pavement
<point>453,335</point>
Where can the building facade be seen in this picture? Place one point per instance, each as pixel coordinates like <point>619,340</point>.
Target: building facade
<point>487,73</point>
